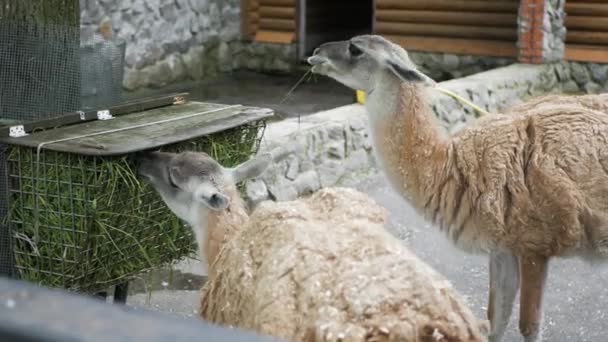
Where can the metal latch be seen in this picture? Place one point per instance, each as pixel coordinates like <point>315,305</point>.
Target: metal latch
<point>17,131</point>
<point>82,115</point>
<point>104,115</point>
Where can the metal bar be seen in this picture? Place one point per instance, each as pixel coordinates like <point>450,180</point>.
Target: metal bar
<point>79,117</point>
<point>7,261</point>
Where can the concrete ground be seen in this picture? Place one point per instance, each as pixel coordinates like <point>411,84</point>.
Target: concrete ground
<point>576,299</point>
<point>312,95</point>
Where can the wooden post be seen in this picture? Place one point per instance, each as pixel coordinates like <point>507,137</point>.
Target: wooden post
<point>541,31</point>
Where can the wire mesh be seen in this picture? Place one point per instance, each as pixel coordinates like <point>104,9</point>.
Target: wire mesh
<point>39,71</point>
<point>86,223</point>
<point>102,69</point>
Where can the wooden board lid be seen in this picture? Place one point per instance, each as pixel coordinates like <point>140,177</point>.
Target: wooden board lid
<point>142,130</point>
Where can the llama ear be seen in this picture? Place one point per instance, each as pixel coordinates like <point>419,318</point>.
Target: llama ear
<point>407,74</point>
<point>252,168</point>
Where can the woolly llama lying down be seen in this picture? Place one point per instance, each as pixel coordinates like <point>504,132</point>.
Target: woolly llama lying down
<point>316,269</point>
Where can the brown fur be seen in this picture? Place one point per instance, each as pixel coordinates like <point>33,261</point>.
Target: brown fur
<point>221,225</point>
<point>524,186</point>
<point>324,268</point>
<point>533,182</point>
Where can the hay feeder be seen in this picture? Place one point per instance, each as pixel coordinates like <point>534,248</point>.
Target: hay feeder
<point>79,217</point>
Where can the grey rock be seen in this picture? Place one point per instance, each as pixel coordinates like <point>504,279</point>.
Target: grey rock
<point>307,182</point>
<point>599,72</point>
<point>256,191</point>
<point>580,74</point>
<point>224,57</point>
<point>193,62</point>
<point>357,161</point>
<point>451,62</point>
<point>330,172</point>
<point>335,150</point>
<point>593,88</point>
<point>282,190</point>
<point>132,79</point>
<point>570,87</point>
<point>293,167</point>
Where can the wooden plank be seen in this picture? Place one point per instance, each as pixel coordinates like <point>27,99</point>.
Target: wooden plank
<point>437,30</point>
<point>586,53</point>
<point>117,110</point>
<point>586,9</point>
<point>450,5</point>
<point>278,12</point>
<point>109,142</point>
<point>587,37</point>
<point>280,3</point>
<point>272,24</point>
<point>245,19</point>
<point>274,37</point>
<point>589,1</point>
<point>445,17</point>
<point>457,46</point>
<point>587,23</point>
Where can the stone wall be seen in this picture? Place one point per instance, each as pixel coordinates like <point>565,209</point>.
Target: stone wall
<point>328,148</point>
<point>554,31</point>
<point>171,40</point>
<point>445,66</point>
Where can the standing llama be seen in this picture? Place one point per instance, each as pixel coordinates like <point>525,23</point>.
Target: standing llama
<point>523,187</point>
<point>321,268</point>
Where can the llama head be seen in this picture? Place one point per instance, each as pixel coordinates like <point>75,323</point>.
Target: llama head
<point>363,61</point>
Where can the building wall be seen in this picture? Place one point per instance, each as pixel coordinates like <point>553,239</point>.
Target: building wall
<point>173,40</point>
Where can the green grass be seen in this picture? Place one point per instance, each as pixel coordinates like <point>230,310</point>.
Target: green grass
<point>86,223</point>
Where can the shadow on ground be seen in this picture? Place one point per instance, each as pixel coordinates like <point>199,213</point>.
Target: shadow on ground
<point>312,95</point>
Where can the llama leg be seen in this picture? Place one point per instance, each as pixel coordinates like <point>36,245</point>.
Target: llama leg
<point>504,283</point>
<point>533,278</point>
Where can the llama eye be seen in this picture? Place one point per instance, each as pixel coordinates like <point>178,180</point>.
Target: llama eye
<point>354,50</point>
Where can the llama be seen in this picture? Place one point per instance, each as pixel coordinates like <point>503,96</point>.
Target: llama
<point>523,187</point>
<point>321,268</point>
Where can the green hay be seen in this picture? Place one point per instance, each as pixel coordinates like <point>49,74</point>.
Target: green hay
<point>87,223</point>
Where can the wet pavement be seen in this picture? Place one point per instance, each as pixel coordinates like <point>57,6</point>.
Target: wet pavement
<point>576,304</point>
<point>313,94</point>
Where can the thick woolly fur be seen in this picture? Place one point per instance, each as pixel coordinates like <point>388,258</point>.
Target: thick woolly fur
<point>523,186</point>
<point>325,269</point>
<point>316,269</point>
<point>534,181</point>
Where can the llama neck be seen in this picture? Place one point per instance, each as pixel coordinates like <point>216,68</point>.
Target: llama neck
<point>221,226</point>
<point>407,142</point>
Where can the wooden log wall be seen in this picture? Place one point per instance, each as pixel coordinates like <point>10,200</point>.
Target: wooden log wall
<point>587,30</point>
<point>272,21</point>
<point>476,27</point>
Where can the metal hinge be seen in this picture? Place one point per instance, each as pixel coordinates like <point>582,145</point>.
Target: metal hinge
<point>17,131</point>
<point>104,115</point>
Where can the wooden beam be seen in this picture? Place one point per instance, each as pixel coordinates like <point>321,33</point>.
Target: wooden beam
<point>586,53</point>
<point>278,12</point>
<point>457,31</point>
<point>274,37</point>
<point>277,24</point>
<point>510,6</point>
<point>446,17</point>
<point>587,37</point>
<point>478,47</point>
<point>587,9</point>
<point>587,23</point>
<point>279,3</point>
